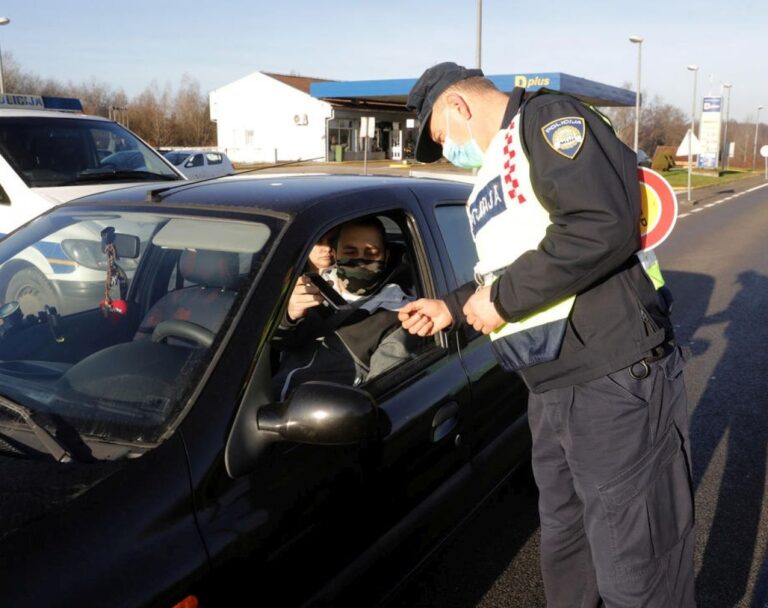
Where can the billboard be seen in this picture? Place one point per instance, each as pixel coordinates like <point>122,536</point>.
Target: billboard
<point>709,133</point>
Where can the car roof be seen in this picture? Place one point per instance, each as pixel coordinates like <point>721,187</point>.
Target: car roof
<point>4,112</point>
<point>283,193</point>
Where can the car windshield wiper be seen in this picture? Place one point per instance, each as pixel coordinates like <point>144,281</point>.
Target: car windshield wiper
<point>95,175</point>
<point>50,443</point>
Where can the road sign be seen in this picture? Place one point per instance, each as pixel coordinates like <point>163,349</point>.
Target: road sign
<point>764,151</point>
<point>682,150</point>
<point>658,205</point>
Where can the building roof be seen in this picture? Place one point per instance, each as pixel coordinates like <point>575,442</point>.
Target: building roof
<point>302,83</point>
<point>396,90</point>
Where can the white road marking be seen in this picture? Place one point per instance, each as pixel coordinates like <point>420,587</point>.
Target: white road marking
<point>722,200</point>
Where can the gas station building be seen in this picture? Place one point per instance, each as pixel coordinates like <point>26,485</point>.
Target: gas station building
<point>266,117</point>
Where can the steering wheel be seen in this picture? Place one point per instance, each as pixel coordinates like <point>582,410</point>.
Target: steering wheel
<point>184,330</point>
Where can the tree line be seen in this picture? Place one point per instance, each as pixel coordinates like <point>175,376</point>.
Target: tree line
<point>181,118</point>
<point>161,116</point>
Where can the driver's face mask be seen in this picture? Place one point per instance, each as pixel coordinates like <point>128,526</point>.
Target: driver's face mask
<point>360,276</point>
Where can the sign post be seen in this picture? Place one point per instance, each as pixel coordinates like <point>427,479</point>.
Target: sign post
<point>764,154</point>
<point>367,130</point>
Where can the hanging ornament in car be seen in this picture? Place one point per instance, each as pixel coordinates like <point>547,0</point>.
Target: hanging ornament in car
<point>115,276</point>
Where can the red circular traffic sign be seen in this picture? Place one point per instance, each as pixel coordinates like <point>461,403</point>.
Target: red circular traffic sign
<point>658,205</point>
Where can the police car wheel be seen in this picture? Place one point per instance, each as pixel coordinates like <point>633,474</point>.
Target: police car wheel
<point>32,291</point>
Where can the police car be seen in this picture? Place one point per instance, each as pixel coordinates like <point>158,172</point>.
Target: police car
<point>50,153</point>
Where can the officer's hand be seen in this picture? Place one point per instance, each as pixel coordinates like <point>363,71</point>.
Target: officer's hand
<point>481,313</point>
<point>305,296</point>
<point>425,317</point>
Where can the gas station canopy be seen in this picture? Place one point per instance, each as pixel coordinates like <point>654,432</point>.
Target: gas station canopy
<point>393,93</point>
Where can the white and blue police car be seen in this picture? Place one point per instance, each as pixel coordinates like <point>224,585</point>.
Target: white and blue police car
<point>50,153</point>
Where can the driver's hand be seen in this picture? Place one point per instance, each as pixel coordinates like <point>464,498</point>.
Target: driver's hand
<point>305,296</point>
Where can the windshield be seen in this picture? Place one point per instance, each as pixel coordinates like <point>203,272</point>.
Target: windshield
<point>67,151</point>
<point>103,349</point>
<point>176,158</point>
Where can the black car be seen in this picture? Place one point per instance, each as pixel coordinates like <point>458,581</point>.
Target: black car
<point>145,458</point>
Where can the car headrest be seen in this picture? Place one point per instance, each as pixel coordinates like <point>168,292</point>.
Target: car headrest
<point>210,268</point>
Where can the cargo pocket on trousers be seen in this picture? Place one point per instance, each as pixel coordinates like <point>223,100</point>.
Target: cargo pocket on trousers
<point>649,506</point>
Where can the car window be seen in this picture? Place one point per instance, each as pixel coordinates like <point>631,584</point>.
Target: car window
<point>115,357</point>
<point>68,151</point>
<point>213,158</point>
<point>195,161</point>
<point>359,340</point>
<point>457,237</point>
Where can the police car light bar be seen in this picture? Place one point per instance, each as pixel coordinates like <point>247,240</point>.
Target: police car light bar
<point>37,102</point>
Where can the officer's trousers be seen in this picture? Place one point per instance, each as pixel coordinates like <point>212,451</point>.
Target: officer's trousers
<point>611,459</point>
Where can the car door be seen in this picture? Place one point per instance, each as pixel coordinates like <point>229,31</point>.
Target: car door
<point>499,433</point>
<point>194,166</point>
<point>310,519</point>
<point>419,467</point>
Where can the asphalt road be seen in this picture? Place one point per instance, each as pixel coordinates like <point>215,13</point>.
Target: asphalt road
<point>716,263</point>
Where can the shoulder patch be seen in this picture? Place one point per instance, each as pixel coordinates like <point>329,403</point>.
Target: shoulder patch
<point>565,135</point>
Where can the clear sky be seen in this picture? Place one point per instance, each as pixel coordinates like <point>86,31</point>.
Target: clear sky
<point>129,44</point>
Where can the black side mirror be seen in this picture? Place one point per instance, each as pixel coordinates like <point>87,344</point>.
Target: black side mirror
<point>322,413</point>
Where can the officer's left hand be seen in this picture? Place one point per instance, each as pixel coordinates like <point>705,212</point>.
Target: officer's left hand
<point>481,313</point>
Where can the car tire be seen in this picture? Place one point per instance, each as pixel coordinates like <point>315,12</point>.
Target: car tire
<point>32,291</point>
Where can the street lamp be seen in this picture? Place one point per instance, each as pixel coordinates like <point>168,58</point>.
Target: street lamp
<point>695,70</point>
<point>757,126</point>
<point>479,32</point>
<point>3,21</point>
<point>726,150</point>
<point>638,40</point>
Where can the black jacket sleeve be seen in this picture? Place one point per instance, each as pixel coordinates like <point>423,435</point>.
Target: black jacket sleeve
<point>593,201</point>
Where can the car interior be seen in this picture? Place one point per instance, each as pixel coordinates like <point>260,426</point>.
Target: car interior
<point>129,370</point>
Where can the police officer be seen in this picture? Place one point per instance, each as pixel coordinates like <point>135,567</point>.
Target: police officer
<point>555,218</point>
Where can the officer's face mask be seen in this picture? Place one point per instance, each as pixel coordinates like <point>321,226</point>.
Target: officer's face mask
<point>360,276</point>
<point>467,155</point>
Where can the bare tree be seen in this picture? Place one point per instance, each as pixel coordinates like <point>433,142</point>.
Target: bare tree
<point>661,124</point>
<point>150,116</point>
<point>191,115</point>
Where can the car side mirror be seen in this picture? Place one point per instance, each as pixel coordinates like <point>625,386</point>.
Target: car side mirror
<point>322,413</point>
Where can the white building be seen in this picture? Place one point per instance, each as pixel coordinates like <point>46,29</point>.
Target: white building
<point>272,117</point>
<point>264,118</point>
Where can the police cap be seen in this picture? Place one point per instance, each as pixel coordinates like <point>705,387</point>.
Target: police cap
<point>423,96</point>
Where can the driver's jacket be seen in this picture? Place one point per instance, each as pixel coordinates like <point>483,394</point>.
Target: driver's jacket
<point>555,218</point>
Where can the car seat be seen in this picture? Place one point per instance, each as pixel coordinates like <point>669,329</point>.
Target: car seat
<point>214,275</point>
<point>399,269</point>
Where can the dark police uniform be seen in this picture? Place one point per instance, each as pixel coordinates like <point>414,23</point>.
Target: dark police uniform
<point>608,413</point>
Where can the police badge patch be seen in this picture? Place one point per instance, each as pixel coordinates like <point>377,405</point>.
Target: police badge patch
<point>565,135</point>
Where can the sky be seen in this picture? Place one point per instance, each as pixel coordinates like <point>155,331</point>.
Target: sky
<point>129,45</point>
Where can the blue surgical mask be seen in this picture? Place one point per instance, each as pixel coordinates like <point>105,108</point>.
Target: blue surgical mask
<point>467,155</point>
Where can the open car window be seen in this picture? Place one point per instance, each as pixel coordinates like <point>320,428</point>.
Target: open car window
<point>361,339</point>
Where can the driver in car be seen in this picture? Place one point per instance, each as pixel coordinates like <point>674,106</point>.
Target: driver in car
<point>358,341</point>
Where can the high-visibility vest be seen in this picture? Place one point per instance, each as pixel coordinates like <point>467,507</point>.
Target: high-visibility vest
<point>507,219</point>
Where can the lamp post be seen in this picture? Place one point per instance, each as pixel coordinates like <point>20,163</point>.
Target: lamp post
<point>638,40</point>
<point>3,21</point>
<point>726,150</point>
<point>479,32</point>
<point>694,69</point>
<point>754,148</point>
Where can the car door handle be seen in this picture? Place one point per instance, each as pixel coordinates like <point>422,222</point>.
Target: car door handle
<point>445,420</point>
